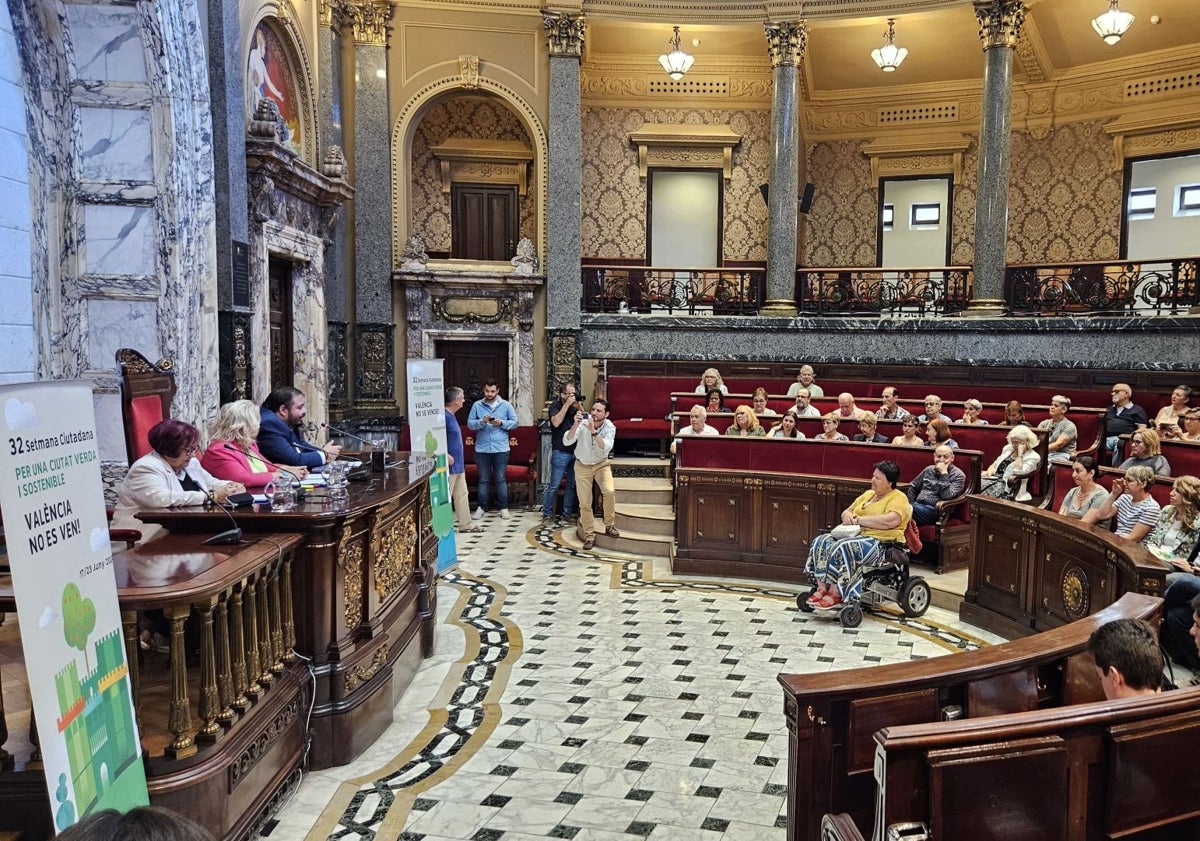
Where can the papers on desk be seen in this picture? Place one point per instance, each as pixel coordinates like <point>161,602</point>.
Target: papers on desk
<point>261,499</point>
<point>313,480</point>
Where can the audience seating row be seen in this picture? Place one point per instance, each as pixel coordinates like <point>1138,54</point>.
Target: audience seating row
<point>1183,456</point>
<point>833,718</point>
<point>1061,482</point>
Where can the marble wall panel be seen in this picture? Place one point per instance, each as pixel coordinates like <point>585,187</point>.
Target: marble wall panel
<point>113,324</point>
<point>16,288</point>
<point>115,145</point>
<point>119,240</point>
<point>110,437</point>
<point>107,43</point>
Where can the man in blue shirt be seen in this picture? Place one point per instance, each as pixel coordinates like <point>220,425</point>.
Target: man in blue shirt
<point>492,418</point>
<point>458,463</point>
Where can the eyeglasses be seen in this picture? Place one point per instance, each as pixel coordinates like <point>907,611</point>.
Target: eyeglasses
<point>190,451</point>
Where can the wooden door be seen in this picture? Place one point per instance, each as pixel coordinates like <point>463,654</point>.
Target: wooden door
<point>484,221</point>
<point>279,315</point>
<point>469,364</point>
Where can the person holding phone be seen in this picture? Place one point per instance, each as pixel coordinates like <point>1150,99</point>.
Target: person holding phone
<point>492,418</point>
<point>593,435</point>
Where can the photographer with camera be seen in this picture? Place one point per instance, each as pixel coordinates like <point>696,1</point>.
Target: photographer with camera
<point>562,456</point>
<point>593,436</point>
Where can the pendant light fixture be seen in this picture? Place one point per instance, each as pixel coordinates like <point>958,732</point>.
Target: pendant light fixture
<point>889,56</point>
<point>676,62</point>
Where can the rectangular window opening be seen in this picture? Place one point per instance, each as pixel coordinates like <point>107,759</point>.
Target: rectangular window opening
<point>1142,203</point>
<point>889,217</point>
<point>925,216</point>
<point>1188,201</point>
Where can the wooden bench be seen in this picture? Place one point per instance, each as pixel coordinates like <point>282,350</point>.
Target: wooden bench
<point>832,717</point>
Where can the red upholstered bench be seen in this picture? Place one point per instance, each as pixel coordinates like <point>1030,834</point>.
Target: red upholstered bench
<point>639,406</point>
<point>523,443</point>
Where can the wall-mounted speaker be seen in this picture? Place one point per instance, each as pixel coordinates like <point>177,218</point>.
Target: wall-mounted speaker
<point>764,189</point>
<point>806,199</point>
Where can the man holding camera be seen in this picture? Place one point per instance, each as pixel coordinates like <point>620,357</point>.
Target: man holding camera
<point>492,418</point>
<point>562,456</point>
<point>593,436</point>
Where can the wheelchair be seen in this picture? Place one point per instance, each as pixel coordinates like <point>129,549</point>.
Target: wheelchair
<point>887,581</point>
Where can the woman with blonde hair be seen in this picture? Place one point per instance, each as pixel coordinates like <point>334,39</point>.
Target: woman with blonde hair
<point>911,437</point>
<point>829,425</point>
<point>710,379</point>
<point>233,452</point>
<point>1145,449</point>
<point>1008,476</point>
<point>1174,538</point>
<point>745,424</point>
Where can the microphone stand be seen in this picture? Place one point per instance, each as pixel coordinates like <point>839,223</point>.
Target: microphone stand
<point>229,537</point>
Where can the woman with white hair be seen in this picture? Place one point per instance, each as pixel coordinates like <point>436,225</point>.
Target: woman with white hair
<point>971,411</point>
<point>710,379</point>
<point>1008,476</point>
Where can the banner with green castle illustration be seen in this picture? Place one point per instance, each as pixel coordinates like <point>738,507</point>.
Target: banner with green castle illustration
<point>427,434</point>
<point>57,537</point>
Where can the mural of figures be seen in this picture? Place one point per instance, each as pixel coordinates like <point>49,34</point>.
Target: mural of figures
<point>269,75</point>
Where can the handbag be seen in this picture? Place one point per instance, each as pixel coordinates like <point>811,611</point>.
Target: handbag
<point>844,531</point>
<point>912,537</point>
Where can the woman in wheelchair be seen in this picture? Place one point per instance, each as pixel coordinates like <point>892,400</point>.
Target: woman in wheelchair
<point>836,561</point>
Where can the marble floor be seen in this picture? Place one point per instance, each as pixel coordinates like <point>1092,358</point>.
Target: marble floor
<point>579,696</point>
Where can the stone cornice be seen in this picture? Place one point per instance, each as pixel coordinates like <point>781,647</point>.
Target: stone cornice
<point>629,82</point>
<point>910,153</point>
<point>685,146</point>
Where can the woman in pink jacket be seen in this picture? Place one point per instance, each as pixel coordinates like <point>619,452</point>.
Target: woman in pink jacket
<point>232,453</point>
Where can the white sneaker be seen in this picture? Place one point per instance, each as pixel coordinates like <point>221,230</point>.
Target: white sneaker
<point>478,515</point>
<point>504,515</point>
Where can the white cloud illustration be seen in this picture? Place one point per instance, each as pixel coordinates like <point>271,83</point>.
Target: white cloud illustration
<point>19,415</point>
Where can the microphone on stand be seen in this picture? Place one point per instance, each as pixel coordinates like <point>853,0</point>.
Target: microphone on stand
<point>345,434</point>
<point>296,486</point>
<point>228,537</point>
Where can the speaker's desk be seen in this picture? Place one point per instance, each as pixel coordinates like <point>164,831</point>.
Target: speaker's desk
<point>364,595</point>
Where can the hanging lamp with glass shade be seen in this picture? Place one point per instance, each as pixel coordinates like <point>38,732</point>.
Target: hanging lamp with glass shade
<point>1112,24</point>
<point>676,62</point>
<point>889,56</point>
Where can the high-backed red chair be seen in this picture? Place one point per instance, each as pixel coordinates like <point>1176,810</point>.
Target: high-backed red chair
<point>147,390</point>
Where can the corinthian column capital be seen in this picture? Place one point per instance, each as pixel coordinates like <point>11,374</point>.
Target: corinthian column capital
<point>369,19</point>
<point>1000,22</point>
<point>564,33</point>
<point>786,42</point>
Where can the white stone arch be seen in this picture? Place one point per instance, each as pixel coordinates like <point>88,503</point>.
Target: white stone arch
<point>406,125</point>
<point>280,14</point>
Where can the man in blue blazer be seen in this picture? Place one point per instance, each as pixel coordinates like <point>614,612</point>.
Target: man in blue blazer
<point>279,438</point>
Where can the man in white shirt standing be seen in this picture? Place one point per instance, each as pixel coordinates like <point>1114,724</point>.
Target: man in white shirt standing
<point>593,435</point>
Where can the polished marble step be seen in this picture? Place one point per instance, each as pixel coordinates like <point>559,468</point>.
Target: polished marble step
<point>629,543</point>
<point>643,491</point>
<point>646,518</point>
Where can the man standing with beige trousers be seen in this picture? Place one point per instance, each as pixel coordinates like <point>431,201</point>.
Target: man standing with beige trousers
<point>593,435</point>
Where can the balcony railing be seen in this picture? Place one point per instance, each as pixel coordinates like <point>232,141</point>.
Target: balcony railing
<point>874,291</point>
<point>1150,287</point>
<point>670,291</point>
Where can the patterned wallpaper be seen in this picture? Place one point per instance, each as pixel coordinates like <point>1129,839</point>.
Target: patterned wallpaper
<point>1064,200</point>
<point>461,116</point>
<point>614,197</point>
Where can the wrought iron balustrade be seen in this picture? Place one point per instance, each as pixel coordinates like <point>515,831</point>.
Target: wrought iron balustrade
<point>873,291</point>
<point>673,291</point>
<point>1148,287</point>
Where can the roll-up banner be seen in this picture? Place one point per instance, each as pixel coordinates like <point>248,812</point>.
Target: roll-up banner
<point>427,434</point>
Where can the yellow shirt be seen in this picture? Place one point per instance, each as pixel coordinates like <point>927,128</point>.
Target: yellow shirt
<point>894,500</point>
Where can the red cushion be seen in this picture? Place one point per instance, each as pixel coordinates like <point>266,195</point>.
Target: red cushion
<point>144,413</point>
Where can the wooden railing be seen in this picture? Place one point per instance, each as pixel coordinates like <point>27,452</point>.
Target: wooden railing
<point>884,291</point>
<point>1107,287</point>
<point>670,291</point>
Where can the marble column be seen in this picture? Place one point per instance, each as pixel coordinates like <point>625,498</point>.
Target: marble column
<point>374,328</point>
<point>999,28</point>
<point>564,286</point>
<point>785,44</point>
<point>225,77</point>
<point>339,302</point>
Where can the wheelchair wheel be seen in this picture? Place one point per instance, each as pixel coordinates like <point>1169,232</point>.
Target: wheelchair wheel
<point>802,602</point>
<point>851,616</point>
<point>914,597</point>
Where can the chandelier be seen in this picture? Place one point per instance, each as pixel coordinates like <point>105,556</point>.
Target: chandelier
<point>1112,24</point>
<point>889,56</point>
<point>676,62</point>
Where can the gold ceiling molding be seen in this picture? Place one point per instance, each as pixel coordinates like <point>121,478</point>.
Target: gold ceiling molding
<point>634,89</point>
<point>927,153</point>
<point>1031,54</point>
<point>477,161</point>
<point>685,146</point>
<point>1157,130</point>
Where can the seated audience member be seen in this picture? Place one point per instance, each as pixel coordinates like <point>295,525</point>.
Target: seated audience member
<point>169,476</point>
<point>837,565</point>
<point>846,409</point>
<point>1191,426</point>
<point>240,461</point>
<point>1087,493</point>
<point>716,401</point>
<point>698,426</point>
<point>971,410</point>
<point>889,408</point>
<point>1128,658</point>
<point>937,432</point>
<point>1063,434</point>
<point>759,403</point>
<point>1170,417</point>
<point>1146,450</point>
<point>1008,476</point>
<point>938,482</point>
<point>141,823</point>
<point>933,410</point>
<point>786,428</point>
<point>868,426</point>
<point>1014,415</point>
<point>1137,512</point>
<point>279,437</point>
<point>803,408</point>
<point>1174,537</point>
<point>745,424</point>
<point>829,429</point>
<point>1122,418</point>
<point>911,434</point>
<point>805,379</point>
<point>710,379</point>
<point>1180,632</point>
